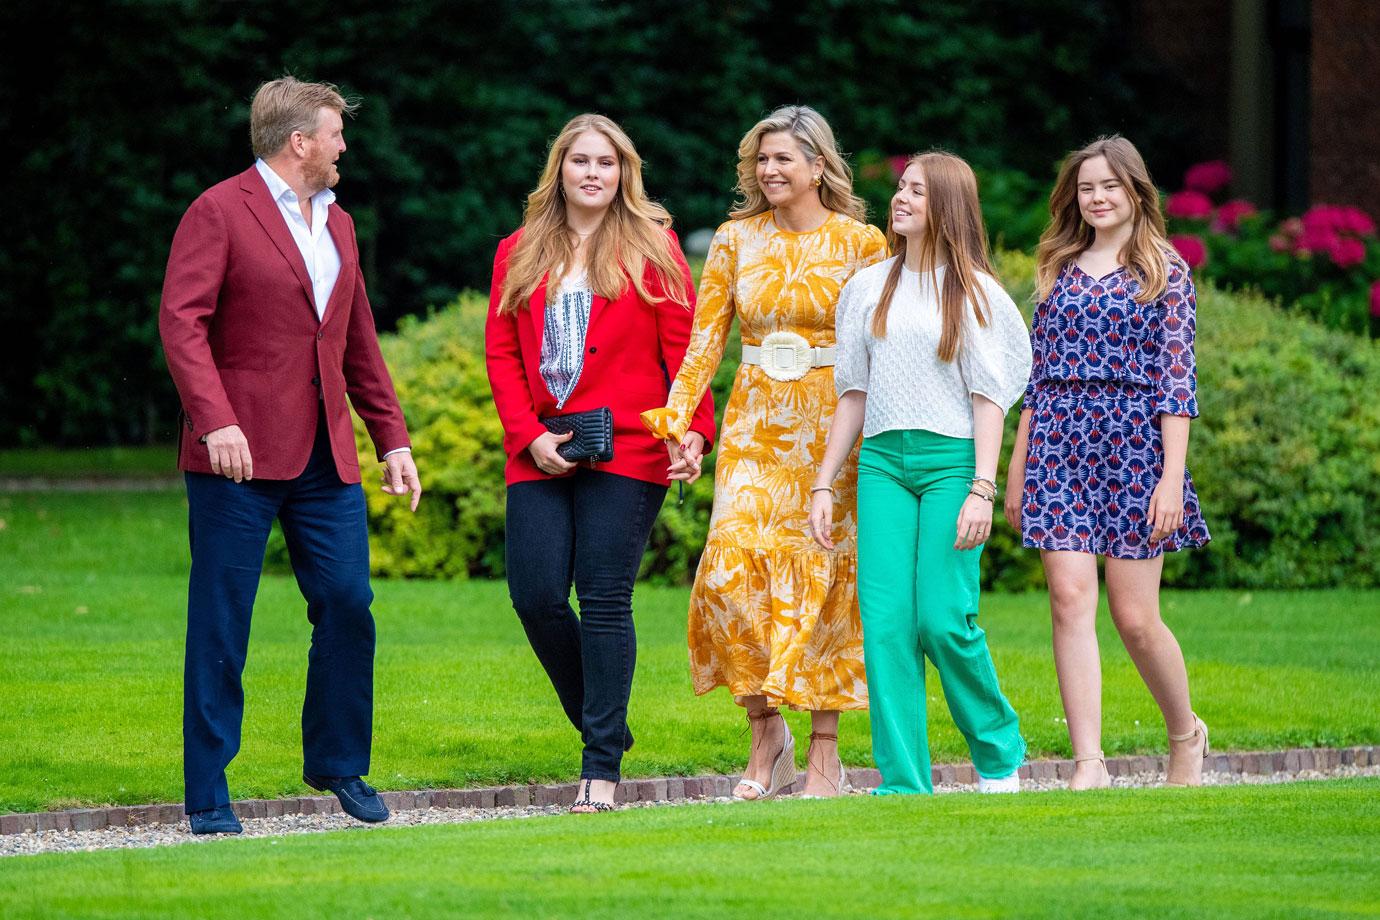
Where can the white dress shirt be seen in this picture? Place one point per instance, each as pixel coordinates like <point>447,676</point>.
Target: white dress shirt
<point>314,243</point>
<point>317,248</point>
<point>907,386</point>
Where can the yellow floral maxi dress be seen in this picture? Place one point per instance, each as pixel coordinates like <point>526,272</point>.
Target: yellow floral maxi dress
<point>773,613</point>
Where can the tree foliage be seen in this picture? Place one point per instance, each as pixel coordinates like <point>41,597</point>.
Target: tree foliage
<point>117,114</point>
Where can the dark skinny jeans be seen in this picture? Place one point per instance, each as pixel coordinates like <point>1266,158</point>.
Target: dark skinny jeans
<point>590,529</point>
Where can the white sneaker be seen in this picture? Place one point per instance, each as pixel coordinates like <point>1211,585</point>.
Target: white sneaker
<point>1010,783</point>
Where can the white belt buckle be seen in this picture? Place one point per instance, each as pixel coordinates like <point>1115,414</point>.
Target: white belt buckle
<point>786,356</point>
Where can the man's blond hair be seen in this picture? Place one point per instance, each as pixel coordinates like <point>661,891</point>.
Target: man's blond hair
<point>285,105</point>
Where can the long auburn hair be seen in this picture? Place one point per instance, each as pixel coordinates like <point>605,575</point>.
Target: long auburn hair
<point>954,225</point>
<point>631,234</point>
<point>816,139</point>
<point>1148,251</point>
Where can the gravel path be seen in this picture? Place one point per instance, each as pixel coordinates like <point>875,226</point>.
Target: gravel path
<point>175,834</point>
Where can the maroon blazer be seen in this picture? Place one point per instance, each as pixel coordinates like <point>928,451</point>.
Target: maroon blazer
<point>244,345</point>
<point>630,349</point>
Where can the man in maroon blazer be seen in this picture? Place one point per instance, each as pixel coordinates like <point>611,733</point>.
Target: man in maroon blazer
<point>267,331</point>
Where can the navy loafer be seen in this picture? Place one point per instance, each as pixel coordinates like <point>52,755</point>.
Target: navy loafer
<point>220,820</point>
<point>357,798</point>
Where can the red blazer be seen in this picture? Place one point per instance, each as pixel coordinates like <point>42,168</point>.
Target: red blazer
<point>625,346</point>
<point>245,347</point>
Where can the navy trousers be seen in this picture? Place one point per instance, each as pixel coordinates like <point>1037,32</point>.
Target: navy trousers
<point>323,520</point>
<point>588,529</point>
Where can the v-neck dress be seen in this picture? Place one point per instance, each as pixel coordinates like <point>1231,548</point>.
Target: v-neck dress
<point>1105,369</point>
<point>771,612</point>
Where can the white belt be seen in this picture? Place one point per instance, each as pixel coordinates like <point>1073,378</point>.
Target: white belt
<point>788,356</point>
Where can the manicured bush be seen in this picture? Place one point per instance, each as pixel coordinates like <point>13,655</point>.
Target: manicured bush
<point>457,531</point>
<point>1286,455</point>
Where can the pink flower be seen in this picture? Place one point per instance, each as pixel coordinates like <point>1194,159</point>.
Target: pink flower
<point>1347,252</point>
<point>1188,205</point>
<point>1191,248</point>
<point>1354,220</point>
<point>1341,218</point>
<point>1208,177</point>
<point>1291,227</point>
<point>1229,215</point>
<point>1375,299</point>
<point>1317,238</point>
<point>898,164</point>
<point>1281,243</point>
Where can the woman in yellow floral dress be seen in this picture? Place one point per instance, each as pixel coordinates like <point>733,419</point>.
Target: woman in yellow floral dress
<point>773,616</point>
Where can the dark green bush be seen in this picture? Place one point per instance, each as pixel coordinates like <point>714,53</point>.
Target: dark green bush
<point>116,134</point>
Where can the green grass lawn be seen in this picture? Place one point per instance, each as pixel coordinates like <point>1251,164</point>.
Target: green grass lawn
<point>92,592</point>
<point>1247,851</point>
<point>156,462</point>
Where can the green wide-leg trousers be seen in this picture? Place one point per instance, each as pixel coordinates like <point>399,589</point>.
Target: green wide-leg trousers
<point>919,597</point>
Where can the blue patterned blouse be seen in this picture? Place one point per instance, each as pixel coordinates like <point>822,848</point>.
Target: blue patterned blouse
<point>1093,330</point>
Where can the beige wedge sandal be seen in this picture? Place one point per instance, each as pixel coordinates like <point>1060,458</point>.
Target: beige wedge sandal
<point>841,786</point>
<point>1199,729</point>
<point>782,769</point>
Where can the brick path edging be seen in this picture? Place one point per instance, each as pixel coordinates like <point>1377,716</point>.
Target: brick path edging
<point>664,789</point>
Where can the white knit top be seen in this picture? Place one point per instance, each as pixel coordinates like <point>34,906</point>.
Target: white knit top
<point>907,386</point>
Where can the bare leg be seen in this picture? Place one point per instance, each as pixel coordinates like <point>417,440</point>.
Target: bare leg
<point>822,762</point>
<point>1072,580</point>
<point>1133,591</point>
<point>768,737</point>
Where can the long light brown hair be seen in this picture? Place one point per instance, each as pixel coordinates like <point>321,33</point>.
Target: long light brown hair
<point>631,234</point>
<point>816,139</point>
<point>953,226</point>
<point>1148,251</point>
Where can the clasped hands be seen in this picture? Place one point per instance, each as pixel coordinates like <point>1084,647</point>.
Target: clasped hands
<point>230,457</point>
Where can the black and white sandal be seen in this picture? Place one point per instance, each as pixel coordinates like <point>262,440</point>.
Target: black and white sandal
<point>586,802</point>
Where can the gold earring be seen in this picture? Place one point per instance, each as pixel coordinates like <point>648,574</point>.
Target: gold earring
<point>819,180</point>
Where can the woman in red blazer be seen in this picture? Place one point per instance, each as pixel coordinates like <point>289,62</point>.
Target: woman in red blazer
<point>590,309</point>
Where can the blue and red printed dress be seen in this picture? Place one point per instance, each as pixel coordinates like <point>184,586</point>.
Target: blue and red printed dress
<point>1105,368</point>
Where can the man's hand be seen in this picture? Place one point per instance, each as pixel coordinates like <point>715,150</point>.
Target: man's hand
<point>400,476</point>
<point>686,457</point>
<point>543,451</point>
<point>229,452</point>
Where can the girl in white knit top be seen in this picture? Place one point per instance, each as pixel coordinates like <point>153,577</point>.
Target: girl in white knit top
<point>931,355</point>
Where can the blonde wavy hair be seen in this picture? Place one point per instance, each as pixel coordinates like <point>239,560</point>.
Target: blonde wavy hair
<point>1148,253</point>
<point>631,234</point>
<point>953,225</point>
<point>816,139</point>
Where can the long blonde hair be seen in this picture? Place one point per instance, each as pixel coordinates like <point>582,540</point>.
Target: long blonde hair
<point>953,223</point>
<point>816,139</point>
<point>1148,251</point>
<point>631,234</point>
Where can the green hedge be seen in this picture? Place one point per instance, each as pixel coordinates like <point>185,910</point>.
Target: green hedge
<point>1286,456</point>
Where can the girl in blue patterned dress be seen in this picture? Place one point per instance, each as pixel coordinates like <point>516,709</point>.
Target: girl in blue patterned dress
<point>1102,440</point>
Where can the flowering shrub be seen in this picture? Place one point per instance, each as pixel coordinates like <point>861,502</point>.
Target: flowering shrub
<point>1325,262</point>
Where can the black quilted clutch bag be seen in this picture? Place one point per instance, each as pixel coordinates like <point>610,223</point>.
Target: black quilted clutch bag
<point>593,432</point>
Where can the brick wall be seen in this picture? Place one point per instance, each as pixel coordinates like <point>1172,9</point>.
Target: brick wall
<point>1193,37</point>
<point>1344,119</point>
